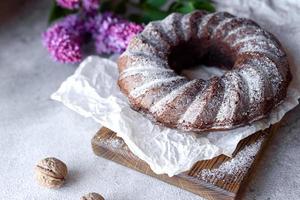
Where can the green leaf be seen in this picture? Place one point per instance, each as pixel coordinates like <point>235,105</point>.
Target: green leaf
<point>174,7</point>
<point>186,8</point>
<point>57,12</point>
<point>106,6</point>
<point>151,13</point>
<point>156,3</point>
<point>136,18</point>
<point>204,5</point>
<point>120,8</point>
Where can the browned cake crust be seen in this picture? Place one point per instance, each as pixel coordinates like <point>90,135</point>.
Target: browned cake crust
<point>255,82</point>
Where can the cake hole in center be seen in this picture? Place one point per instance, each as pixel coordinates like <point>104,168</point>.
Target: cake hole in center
<point>197,60</point>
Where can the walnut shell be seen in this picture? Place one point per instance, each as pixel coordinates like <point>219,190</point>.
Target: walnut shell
<point>51,172</point>
<point>92,196</point>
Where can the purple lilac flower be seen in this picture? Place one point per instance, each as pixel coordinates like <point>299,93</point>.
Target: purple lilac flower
<point>119,35</point>
<point>100,23</point>
<point>69,4</point>
<point>64,38</point>
<point>90,5</point>
<point>111,33</point>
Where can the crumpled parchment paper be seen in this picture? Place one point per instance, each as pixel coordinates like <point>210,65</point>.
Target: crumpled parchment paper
<point>92,91</point>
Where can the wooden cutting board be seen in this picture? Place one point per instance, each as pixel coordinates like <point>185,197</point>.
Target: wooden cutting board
<point>221,178</point>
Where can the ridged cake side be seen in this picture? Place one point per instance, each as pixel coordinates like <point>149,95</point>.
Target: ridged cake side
<point>256,83</point>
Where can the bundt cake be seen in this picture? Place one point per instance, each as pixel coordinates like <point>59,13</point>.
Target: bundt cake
<point>256,78</point>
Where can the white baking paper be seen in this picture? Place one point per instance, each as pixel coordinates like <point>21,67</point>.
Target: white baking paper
<point>92,91</point>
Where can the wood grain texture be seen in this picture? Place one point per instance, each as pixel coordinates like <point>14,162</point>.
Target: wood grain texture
<point>219,186</point>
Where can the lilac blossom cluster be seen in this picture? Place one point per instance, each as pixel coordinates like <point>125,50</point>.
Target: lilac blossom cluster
<point>64,38</point>
<point>69,4</point>
<point>90,5</point>
<point>87,5</point>
<point>111,34</point>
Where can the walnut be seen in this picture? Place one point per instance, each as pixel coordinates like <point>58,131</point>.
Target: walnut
<point>92,196</point>
<point>51,172</point>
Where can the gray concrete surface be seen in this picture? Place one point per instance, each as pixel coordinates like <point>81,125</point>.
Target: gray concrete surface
<point>32,127</point>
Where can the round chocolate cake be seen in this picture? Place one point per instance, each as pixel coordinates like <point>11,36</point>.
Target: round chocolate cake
<point>255,82</point>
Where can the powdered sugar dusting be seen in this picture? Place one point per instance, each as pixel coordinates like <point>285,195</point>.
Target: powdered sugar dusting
<point>155,35</point>
<point>139,44</point>
<point>236,167</point>
<point>203,23</point>
<point>261,46</point>
<point>153,84</point>
<point>172,27</point>
<point>194,110</point>
<point>187,25</point>
<point>140,59</point>
<point>272,71</point>
<point>231,96</point>
<point>247,38</point>
<point>236,31</point>
<point>160,106</point>
<point>254,82</point>
<point>145,71</point>
<point>220,25</point>
<point>140,68</point>
<point>113,143</point>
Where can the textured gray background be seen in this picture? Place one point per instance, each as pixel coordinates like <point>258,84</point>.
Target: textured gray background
<point>32,127</point>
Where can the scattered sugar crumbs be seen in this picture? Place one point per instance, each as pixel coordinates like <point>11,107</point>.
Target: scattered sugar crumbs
<point>234,168</point>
